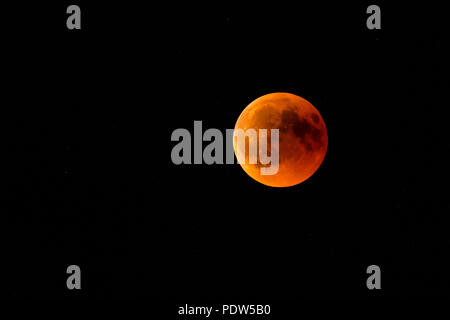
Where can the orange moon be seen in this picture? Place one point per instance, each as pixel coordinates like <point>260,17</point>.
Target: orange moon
<point>303,137</point>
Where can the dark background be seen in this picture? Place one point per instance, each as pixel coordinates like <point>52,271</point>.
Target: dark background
<point>86,123</point>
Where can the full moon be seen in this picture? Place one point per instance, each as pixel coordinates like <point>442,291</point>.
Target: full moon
<point>303,137</point>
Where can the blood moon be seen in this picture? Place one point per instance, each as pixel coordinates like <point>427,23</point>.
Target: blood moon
<point>303,137</point>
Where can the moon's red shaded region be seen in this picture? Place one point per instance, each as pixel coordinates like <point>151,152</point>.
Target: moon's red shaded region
<point>303,137</point>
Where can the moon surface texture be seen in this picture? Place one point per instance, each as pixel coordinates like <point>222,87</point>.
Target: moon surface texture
<point>303,138</point>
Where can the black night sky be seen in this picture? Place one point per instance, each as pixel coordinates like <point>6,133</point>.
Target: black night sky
<point>87,117</point>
